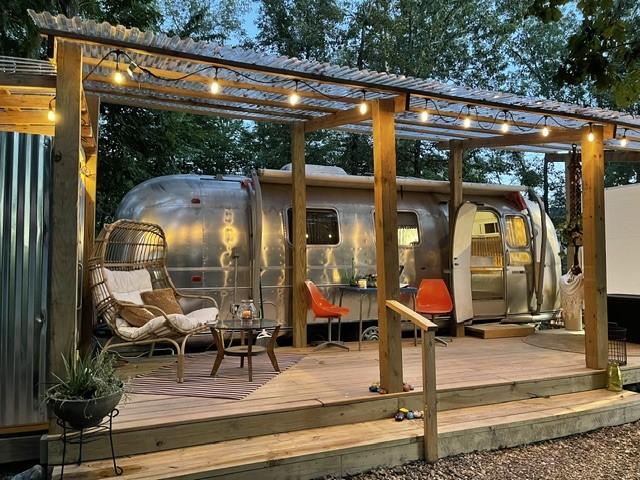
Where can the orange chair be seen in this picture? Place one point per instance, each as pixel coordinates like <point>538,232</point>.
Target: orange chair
<point>433,299</point>
<point>323,308</point>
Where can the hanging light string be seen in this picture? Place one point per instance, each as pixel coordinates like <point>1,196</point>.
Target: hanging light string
<point>469,113</point>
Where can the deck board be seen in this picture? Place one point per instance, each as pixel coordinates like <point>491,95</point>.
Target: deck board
<point>330,376</point>
<point>348,448</point>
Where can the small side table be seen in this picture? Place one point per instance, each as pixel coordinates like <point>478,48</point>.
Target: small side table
<point>68,437</point>
<point>373,290</point>
<point>249,329</point>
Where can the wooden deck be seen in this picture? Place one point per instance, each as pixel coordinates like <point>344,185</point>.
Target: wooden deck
<point>329,389</point>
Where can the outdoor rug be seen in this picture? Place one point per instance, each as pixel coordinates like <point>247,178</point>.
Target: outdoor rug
<point>231,382</point>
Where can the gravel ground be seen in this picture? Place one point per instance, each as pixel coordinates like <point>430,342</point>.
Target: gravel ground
<point>609,453</point>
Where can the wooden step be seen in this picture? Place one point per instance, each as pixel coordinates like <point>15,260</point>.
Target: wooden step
<point>347,449</point>
<point>179,430</point>
<point>500,330</point>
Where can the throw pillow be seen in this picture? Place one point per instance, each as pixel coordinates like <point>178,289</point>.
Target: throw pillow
<point>136,316</point>
<point>164,299</point>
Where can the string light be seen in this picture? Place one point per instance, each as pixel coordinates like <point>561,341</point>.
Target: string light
<point>424,115</point>
<point>623,140</point>
<point>118,77</point>
<point>51,114</point>
<point>294,98</point>
<point>215,84</point>
<point>466,122</point>
<point>363,105</point>
<point>545,129</point>
<point>505,124</point>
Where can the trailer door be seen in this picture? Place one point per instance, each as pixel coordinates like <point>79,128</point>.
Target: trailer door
<point>461,262</point>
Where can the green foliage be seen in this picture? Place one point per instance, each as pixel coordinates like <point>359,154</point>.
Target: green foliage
<point>86,378</point>
<point>604,50</point>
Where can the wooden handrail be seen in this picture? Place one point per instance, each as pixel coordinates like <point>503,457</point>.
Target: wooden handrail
<point>415,318</point>
<point>428,376</point>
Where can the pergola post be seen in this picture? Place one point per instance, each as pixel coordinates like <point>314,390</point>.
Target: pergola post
<point>299,240</point>
<point>386,225</point>
<point>456,151</point>
<point>65,198</point>
<point>90,182</point>
<point>595,277</point>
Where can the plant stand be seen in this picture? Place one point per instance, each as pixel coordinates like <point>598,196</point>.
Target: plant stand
<point>72,436</point>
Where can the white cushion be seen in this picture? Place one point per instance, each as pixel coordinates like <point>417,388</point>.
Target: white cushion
<point>127,286</point>
<point>157,326</point>
<point>204,315</point>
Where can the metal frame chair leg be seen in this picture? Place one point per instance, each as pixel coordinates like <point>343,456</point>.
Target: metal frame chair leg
<point>330,341</point>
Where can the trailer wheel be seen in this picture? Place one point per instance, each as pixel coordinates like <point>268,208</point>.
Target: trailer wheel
<point>370,334</point>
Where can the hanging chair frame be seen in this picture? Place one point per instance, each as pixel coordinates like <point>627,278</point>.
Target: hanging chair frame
<point>127,245</point>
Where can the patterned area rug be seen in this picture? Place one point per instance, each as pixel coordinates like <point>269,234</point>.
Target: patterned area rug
<point>231,381</point>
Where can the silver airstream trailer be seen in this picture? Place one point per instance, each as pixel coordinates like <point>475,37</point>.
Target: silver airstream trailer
<point>230,237</point>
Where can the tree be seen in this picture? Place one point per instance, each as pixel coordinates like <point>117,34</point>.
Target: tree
<point>605,50</point>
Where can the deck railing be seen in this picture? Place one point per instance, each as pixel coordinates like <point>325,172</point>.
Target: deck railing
<point>428,376</point>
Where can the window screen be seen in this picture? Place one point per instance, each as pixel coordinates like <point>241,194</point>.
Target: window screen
<point>516,232</point>
<point>322,226</point>
<point>408,231</point>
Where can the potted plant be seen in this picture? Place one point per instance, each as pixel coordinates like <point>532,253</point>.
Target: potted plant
<point>89,391</point>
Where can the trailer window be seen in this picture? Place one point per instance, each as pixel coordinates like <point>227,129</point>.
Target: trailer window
<point>408,231</point>
<point>322,226</point>
<point>516,232</point>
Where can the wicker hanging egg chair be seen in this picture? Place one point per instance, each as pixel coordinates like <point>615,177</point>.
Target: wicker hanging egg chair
<point>129,259</point>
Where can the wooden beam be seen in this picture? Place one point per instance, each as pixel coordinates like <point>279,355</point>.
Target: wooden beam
<point>16,117</point>
<point>343,117</point>
<point>411,315</point>
<point>33,101</point>
<point>27,81</point>
<point>65,197</point>
<point>33,129</point>
<point>173,107</point>
<point>609,156</point>
<point>299,240</point>
<point>508,140</point>
<point>456,152</point>
<point>90,174</point>
<point>184,95</point>
<point>386,225</point>
<point>593,226</point>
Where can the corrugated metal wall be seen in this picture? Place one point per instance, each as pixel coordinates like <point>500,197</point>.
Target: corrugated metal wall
<point>24,205</point>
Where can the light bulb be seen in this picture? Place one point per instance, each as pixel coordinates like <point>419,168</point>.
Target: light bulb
<point>294,98</point>
<point>504,127</point>
<point>591,137</point>
<point>363,108</point>
<point>51,115</point>
<point>545,131</point>
<point>623,141</point>
<point>466,123</point>
<point>118,77</point>
<point>424,116</point>
<point>214,87</point>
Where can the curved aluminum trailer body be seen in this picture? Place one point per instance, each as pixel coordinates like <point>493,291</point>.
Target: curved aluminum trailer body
<point>213,222</point>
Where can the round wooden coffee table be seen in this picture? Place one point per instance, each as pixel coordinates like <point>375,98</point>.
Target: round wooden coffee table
<point>249,330</point>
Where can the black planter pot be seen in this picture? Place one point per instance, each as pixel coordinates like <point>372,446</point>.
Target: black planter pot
<point>81,414</point>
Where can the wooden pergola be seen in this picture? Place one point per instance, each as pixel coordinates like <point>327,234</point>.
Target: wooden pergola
<point>92,62</point>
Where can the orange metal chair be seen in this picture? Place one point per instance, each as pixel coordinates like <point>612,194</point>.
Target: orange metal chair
<point>323,308</point>
<point>433,299</point>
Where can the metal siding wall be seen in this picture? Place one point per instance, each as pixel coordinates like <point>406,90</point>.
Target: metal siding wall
<point>24,205</point>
